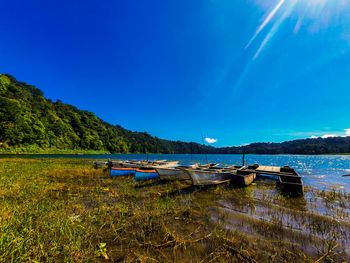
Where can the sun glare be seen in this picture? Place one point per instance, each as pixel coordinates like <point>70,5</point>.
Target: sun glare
<point>320,12</point>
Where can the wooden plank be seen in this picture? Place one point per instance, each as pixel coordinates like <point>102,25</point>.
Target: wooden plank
<point>274,169</point>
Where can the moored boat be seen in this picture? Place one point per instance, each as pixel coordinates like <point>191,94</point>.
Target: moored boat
<point>100,164</point>
<point>159,163</point>
<point>138,164</point>
<point>115,163</point>
<point>120,171</point>
<point>134,165</point>
<point>145,173</point>
<point>291,184</point>
<point>165,164</point>
<point>208,165</point>
<point>242,178</point>
<point>175,173</point>
<point>203,177</point>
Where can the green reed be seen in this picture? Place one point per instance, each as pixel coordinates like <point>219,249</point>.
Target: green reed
<point>63,210</point>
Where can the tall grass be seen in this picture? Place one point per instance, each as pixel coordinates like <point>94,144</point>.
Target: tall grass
<point>63,210</point>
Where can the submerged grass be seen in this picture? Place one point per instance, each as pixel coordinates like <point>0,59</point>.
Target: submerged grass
<point>63,210</point>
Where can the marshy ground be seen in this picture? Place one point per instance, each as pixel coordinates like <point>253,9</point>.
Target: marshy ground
<point>63,210</point>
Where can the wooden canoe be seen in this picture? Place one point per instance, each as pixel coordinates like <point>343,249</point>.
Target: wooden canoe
<point>175,173</point>
<point>145,173</point>
<point>208,165</point>
<point>138,164</point>
<point>242,178</point>
<point>99,164</point>
<point>291,184</point>
<point>165,164</point>
<point>132,164</point>
<point>172,174</point>
<point>119,171</point>
<point>203,177</point>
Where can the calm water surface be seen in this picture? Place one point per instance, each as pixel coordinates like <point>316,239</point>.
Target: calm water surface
<point>321,171</point>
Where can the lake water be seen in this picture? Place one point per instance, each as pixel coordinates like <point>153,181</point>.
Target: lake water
<point>320,171</point>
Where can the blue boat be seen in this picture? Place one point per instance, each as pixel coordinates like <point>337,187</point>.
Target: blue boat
<point>143,174</point>
<point>122,171</point>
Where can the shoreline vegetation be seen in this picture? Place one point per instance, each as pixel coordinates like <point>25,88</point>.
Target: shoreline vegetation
<point>63,210</point>
<point>81,152</point>
<point>31,123</point>
<point>52,151</point>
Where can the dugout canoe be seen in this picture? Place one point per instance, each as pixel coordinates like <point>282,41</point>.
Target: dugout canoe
<point>159,163</point>
<point>145,173</point>
<point>100,164</point>
<point>174,173</point>
<point>138,164</point>
<point>291,184</point>
<point>120,171</point>
<point>208,165</point>
<point>242,178</point>
<point>201,177</point>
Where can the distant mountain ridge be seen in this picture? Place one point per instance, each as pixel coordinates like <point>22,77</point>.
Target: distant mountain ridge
<point>31,123</point>
<point>331,145</point>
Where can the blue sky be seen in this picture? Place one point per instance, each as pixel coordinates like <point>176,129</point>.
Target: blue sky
<point>177,69</point>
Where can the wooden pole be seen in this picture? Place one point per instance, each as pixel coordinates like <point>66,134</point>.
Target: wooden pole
<point>243,158</point>
<point>206,157</point>
<point>191,151</point>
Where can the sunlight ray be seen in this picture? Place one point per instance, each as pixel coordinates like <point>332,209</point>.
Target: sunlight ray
<point>266,21</point>
<point>274,29</point>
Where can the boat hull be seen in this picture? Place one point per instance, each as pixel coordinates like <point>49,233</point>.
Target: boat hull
<point>165,164</point>
<point>143,175</point>
<point>98,164</point>
<point>121,171</point>
<point>132,165</point>
<point>172,174</point>
<point>291,184</point>
<point>201,178</point>
<point>241,178</point>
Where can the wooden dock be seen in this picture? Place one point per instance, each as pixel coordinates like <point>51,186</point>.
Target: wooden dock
<point>288,179</point>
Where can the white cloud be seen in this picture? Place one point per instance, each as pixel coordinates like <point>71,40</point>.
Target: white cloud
<point>328,136</point>
<point>340,134</point>
<point>324,136</point>
<point>210,140</point>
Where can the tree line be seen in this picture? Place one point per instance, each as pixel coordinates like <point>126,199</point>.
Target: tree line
<point>29,121</point>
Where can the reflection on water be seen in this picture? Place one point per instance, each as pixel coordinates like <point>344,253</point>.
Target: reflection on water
<point>320,171</point>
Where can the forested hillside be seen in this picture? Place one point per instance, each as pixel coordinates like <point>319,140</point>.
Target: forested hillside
<point>31,123</point>
<point>330,145</point>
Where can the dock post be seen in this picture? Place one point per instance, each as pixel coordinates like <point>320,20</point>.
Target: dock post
<point>243,158</point>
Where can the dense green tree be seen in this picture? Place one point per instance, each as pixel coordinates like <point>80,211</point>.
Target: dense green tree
<point>30,121</point>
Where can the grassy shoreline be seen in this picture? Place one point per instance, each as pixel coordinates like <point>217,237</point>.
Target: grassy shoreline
<point>21,151</point>
<point>63,210</point>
